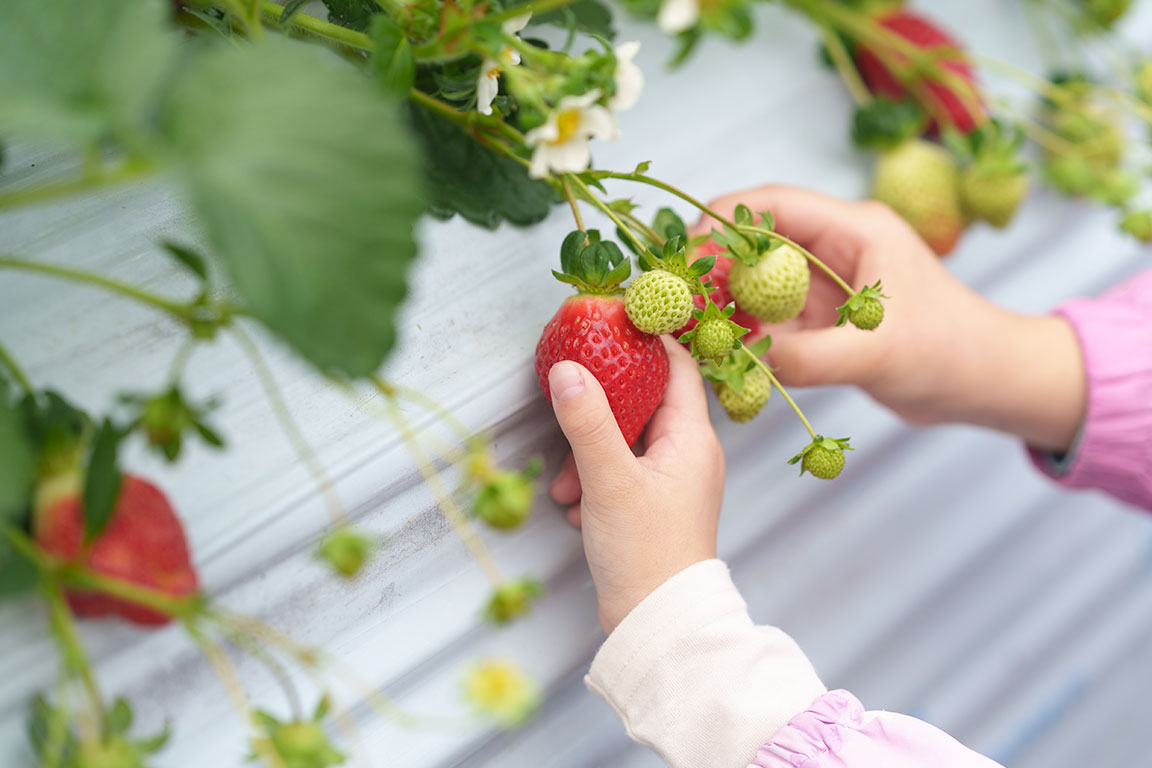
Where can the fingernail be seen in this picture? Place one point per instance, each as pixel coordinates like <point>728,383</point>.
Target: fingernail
<point>565,381</point>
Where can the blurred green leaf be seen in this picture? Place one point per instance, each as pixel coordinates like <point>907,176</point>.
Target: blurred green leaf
<point>354,14</point>
<point>17,460</point>
<point>189,258</point>
<point>81,71</point>
<point>306,181</point>
<point>102,480</point>
<point>589,16</point>
<point>392,59</point>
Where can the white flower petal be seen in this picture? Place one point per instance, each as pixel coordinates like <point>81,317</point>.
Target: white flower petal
<point>598,123</point>
<point>543,134</point>
<point>678,15</point>
<point>581,102</point>
<point>487,86</point>
<point>574,156</point>
<point>516,23</point>
<point>629,78</point>
<point>538,168</point>
<point>511,56</point>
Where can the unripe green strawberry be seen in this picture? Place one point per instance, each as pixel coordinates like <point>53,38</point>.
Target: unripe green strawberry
<point>823,457</point>
<point>658,302</point>
<point>746,403</point>
<point>992,196</point>
<point>776,288</point>
<point>919,181</point>
<point>714,338</point>
<point>345,551</point>
<point>867,316</point>
<point>1094,131</point>
<point>512,600</point>
<point>822,462</point>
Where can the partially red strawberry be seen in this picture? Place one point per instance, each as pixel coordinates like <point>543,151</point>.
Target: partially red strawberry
<point>964,109</point>
<point>143,543</point>
<point>593,329</point>
<point>720,294</point>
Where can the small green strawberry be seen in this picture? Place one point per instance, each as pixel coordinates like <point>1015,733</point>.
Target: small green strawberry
<point>864,310</point>
<point>297,743</point>
<point>512,600</point>
<point>992,196</point>
<point>823,457</point>
<point>345,551</point>
<point>776,288</point>
<point>658,302</point>
<point>745,403</point>
<point>920,181</point>
<point>505,499</point>
<point>715,334</point>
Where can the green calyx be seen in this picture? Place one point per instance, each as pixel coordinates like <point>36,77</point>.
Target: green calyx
<point>715,335</point>
<point>823,457</point>
<point>744,246</point>
<point>740,385</point>
<point>166,418</point>
<point>592,265</point>
<point>884,124</point>
<point>297,743</point>
<point>673,258</point>
<point>864,309</point>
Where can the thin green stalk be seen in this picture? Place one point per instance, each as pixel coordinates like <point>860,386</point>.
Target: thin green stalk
<point>320,28</point>
<point>807,254</point>
<point>90,180</point>
<point>588,195</point>
<point>780,388</point>
<point>430,405</point>
<point>644,228</point>
<point>76,659</point>
<point>161,602</point>
<point>289,426</point>
<point>652,182</point>
<point>847,69</point>
<point>14,368</point>
<point>183,312</point>
<point>572,203</point>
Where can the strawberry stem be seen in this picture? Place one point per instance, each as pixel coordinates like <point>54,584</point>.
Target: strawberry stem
<point>653,182</point>
<point>572,202</point>
<point>161,602</point>
<point>780,388</point>
<point>98,178</point>
<point>318,27</point>
<point>807,254</point>
<point>75,658</point>
<point>289,426</point>
<point>14,368</point>
<point>845,66</point>
<point>588,195</point>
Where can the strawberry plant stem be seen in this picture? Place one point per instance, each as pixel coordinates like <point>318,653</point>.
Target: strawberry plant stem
<point>76,661</point>
<point>14,368</point>
<point>845,66</point>
<point>161,602</point>
<point>463,527</point>
<point>90,180</point>
<point>780,388</point>
<point>535,8</point>
<point>430,405</point>
<point>182,312</point>
<point>807,254</point>
<point>289,426</point>
<point>647,231</point>
<point>572,202</point>
<point>319,28</point>
<point>591,197</point>
<point>652,182</point>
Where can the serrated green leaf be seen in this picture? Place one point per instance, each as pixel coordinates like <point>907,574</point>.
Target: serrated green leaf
<point>354,14</point>
<point>118,719</point>
<point>465,178</point>
<point>570,250</point>
<point>102,479</point>
<point>668,224</point>
<point>305,180</point>
<point>193,261</point>
<point>392,59</point>
<point>81,71</point>
<point>589,16</point>
<point>291,8</point>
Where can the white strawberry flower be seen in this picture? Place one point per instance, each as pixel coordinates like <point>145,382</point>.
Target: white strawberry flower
<point>629,78</point>
<point>561,144</point>
<point>488,83</point>
<point>678,15</point>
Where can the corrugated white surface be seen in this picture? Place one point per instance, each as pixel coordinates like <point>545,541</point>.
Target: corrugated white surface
<point>939,576</point>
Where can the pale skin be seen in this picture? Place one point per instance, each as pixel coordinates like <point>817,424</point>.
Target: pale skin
<point>942,354</point>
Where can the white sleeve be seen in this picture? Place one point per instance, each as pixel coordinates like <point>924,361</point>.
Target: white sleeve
<point>695,680</point>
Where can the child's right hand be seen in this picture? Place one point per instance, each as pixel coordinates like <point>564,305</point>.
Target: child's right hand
<point>943,352</point>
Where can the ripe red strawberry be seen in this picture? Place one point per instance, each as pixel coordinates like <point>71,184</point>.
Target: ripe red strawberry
<point>961,107</point>
<point>593,329</point>
<point>720,294</point>
<point>143,543</point>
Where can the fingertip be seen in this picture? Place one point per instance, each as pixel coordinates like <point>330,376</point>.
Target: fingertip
<point>574,516</point>
<point>565,488</point>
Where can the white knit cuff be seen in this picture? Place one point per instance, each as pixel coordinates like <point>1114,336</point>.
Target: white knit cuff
<point>694,679</point>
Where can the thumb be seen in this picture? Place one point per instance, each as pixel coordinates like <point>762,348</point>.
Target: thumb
<point>602,456</point>
<point>822,356</point>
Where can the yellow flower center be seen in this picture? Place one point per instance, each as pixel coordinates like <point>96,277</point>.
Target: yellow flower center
<point>494,73</point>
<point>567,123</point>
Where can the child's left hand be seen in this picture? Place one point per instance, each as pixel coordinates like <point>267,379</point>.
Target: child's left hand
<point>643,519</point>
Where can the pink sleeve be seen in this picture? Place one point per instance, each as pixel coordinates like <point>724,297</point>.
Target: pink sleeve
<point>1114,452</point>
<point>836,732</point>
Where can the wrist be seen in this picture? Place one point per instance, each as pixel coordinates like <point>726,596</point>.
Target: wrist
<point>1030,380</point>
<point>614,604</point>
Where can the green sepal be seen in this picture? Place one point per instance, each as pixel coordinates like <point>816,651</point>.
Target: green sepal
<point>830,443</point>
<point>592,265</point>
<point>711,313</point>
<point>883,123</point>
<point>102,480</point>
<point>668,224</point>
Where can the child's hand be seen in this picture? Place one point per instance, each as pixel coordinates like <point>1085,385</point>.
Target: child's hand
<point>644,519</point>
<point>943,352</point>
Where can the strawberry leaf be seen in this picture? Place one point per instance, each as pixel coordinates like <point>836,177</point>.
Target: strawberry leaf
<point>589,16</point>
<point>668,224</point>
<point>102,480</point>
<point>305,181</point>
<point>189,258</point>
<point>17,464</point>
<point>392,60</point>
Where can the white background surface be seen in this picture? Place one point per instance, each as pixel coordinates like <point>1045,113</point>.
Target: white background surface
<point>940,576</point>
